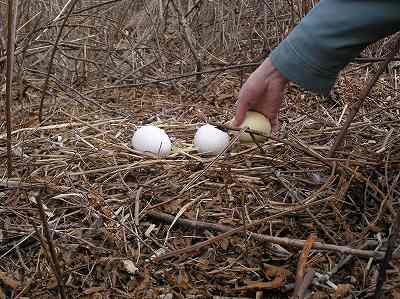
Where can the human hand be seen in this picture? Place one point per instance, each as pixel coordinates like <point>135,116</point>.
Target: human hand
<point>262,92</point>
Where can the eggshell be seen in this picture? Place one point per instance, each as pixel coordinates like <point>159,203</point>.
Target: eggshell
<point>150,139</point>
<point>210,140</point>
<point>258,122</point>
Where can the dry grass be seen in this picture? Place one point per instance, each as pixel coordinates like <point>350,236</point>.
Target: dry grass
<point>109,208</point>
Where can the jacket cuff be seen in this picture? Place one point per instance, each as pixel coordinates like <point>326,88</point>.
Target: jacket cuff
<point>295,67</point>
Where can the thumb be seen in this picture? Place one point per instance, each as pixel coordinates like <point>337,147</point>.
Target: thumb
<point>241,111</point>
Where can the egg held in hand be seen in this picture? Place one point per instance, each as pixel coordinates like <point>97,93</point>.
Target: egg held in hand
<point>258,122</point>
<point>210,140</point>
<point>150,139</point>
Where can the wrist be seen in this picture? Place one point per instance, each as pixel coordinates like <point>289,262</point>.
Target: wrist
<point>272,73</point>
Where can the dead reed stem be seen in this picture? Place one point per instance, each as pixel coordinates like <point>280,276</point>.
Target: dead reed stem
<point>12,17</point>
<point>71,5</point>
<point>384,265</point>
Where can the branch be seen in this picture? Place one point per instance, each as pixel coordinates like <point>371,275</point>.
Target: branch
<point>229,231</point>
<point>363,95</point>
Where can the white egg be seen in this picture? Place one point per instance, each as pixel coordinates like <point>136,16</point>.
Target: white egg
<point>210,140</point>
<point>150,139</point>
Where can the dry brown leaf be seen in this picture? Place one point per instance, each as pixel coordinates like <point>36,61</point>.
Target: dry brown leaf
<point>183,280</point>
<point>179,243</point>
<point>202,264</point>
<point>343,290</point>
<point>93,290</point>
<point>130,266</point>
<point>272,271</point>
<point>7,280</point>
<point>374,228</point>
<point>146,280</point>
<point>348,234</point>
<point>276,283</point>
<point>225,244</point>
<point>396,293</point>
<point>319,295</point>
<point>52,283</point>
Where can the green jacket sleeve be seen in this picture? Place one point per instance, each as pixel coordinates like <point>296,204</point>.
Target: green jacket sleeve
<point>329,36</point>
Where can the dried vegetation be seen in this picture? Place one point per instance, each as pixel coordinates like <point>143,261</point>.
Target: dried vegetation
<point>261,221</point>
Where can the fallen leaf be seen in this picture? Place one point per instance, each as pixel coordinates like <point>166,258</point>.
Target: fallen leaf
<point>271,271</point>
<point>396,293</point>
<point>7,280</point>
<point>343,290</point>
<point>373,228</point>
<point>144,283</point>
<point>52,283</point>
<point>93,290</point>
<point>319,295</point>
<point>130,266</point>
<point>183,280</point>
<point>225,244</point>
<point>202,264</point>
<point>276,283</point>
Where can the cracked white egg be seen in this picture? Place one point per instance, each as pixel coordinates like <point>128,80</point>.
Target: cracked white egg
<point>151,139</point>
<point>210,140</point>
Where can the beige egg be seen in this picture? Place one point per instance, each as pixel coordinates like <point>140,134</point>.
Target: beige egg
<point>258,122</point>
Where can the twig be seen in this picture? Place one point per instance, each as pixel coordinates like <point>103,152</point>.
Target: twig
<point>97,5</point>
<point>53,254</point>
<point>297,144</point>
<point>12,19</point>
<point>137,204</point>
<point>156,81</point>
<point>50,66</point>
<point>348,258</point>
<point>373,59</point>
<point>195,5</point>
<point>307,280</point>
<point>387,258</point>
<point>363,95</point>
<point>55,19</point>
<point>299,286</point>
<point>188,36</point>
<point>294,195</point>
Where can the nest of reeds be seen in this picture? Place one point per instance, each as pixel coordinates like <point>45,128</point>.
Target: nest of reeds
<point>130,225</point>
<point>84,215</point>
